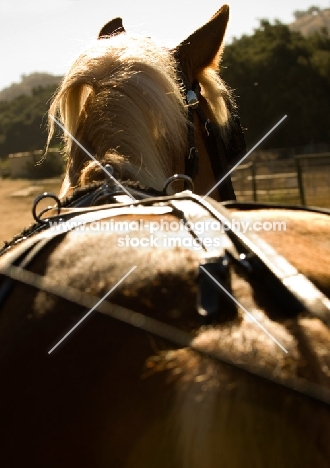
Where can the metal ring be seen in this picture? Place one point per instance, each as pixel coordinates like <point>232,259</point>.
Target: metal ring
<point>192,99</point>
<point>176,177</point>
<point>109,170</point>
<point>36,202</point>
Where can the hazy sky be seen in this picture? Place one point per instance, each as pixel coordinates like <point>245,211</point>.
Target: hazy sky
<point>46,35</point>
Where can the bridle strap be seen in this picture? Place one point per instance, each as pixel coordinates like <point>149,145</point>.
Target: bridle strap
<point>212,139</point>
<point>192,158</point>
<point>217,153</point>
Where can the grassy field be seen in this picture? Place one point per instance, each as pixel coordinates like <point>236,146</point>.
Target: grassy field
<point>16,199</point>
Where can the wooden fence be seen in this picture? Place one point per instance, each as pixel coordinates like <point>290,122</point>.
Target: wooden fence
<point>303,180</point>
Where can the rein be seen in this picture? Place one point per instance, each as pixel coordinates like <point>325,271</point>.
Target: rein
<point>252,254</point>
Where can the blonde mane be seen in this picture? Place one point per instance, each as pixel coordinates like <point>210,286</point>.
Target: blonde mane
<point>122,100</point>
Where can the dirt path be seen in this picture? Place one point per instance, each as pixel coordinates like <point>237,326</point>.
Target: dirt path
<point>16,199</point>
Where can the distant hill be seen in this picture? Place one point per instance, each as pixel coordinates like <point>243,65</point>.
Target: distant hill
<point>311,20</point>
<point>27,84</point>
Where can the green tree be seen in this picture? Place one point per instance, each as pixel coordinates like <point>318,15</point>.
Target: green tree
<point>320,44</point>
<point>277,72</point>
<point>23,121</point>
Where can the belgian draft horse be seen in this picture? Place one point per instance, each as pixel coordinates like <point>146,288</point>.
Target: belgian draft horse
<point>118,394</point>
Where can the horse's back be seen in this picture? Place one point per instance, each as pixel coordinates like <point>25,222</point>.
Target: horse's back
<point>101,399</point>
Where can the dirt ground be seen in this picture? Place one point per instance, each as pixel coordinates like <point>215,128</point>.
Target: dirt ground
<point>16,199</point>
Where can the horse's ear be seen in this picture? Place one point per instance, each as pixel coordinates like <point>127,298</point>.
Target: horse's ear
<point>112,28</point>
<point>203,48</point>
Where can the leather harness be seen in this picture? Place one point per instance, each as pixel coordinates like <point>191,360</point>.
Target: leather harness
<point>248,251</point>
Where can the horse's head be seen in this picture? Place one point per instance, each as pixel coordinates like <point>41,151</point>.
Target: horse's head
<point>124,100</point>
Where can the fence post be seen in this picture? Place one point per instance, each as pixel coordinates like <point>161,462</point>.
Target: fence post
<point>300,182</point>
<point>254,182</point>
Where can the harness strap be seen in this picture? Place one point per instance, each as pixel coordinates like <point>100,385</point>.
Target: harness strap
<point>263,261</point>
<point>162,330</point>
<point>295,292</point>
<point>106,193</point>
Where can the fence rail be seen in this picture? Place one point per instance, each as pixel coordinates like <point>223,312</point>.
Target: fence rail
<point>302,180</point>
